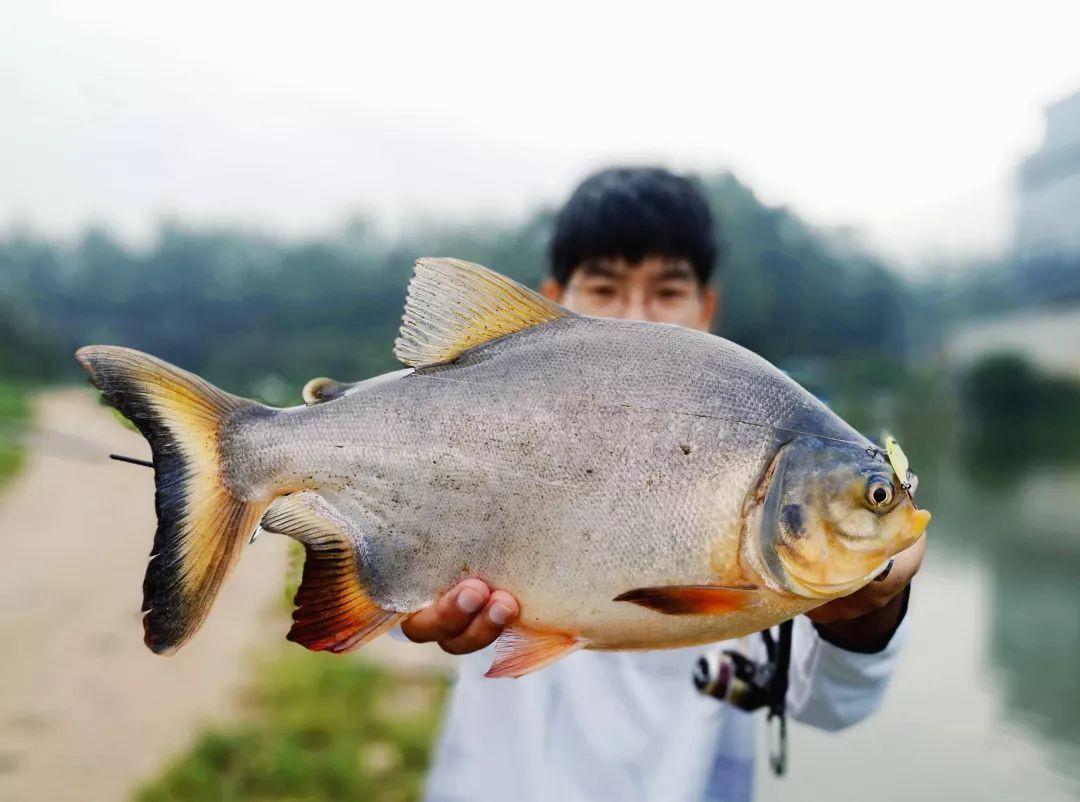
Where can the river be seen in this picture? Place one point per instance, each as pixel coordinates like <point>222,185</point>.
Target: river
<point>986,703</point>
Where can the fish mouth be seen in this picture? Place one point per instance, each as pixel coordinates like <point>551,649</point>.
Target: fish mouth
<point>915,523</point>
<point>870,555</point>
<point>824,590</point>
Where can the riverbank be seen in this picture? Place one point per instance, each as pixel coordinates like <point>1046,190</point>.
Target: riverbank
<point>87,711</point>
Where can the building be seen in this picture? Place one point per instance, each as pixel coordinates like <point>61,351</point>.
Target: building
<point>1048,202</point>
<point>1044,328</point>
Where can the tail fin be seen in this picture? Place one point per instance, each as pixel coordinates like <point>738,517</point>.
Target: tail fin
<point>201,524</point>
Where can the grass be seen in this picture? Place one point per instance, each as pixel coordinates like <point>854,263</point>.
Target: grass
<point>14,413</point>
<point>318,727</point>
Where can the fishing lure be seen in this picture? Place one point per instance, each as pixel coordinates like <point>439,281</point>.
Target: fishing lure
<point>899,461</point>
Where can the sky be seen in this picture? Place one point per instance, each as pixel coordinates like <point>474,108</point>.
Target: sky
<point>902,121</point>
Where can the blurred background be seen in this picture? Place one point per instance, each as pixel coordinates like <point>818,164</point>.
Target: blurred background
<point>242,188</point>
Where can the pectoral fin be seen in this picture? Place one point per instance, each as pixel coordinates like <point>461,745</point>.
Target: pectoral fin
<point>691,599</point>
<point>520,650</point>
<point>333,610</point>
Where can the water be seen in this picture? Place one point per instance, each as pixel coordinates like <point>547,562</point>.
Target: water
<point>986,703</point>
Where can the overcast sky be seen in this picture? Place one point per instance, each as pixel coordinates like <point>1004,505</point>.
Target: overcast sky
<point>903,120</point>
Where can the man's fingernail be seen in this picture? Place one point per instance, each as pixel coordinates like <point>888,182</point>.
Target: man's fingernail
<point>469,600</point>
<point>499,614</point>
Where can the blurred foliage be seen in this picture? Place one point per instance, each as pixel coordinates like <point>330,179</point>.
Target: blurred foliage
<point>261,316</point>
<point>791,290</point>
<point>1017,416</point>
<point>1000,385</point>
<point>14,413</point>
<point>320,727</point>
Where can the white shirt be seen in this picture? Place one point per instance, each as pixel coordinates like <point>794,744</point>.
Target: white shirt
<point>630,726</point>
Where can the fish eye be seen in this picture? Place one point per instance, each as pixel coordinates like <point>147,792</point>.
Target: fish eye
<point>879,494</point>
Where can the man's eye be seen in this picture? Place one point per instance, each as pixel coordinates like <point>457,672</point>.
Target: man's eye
<point>671,293</point>
<point>602,291</point>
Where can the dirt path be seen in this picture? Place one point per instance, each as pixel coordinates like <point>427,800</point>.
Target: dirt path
<point>85,710</point>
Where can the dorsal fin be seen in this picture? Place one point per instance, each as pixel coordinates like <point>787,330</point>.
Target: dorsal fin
<point>454,306</point>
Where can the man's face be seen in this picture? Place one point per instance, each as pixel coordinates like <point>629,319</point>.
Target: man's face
<point>656,289</point>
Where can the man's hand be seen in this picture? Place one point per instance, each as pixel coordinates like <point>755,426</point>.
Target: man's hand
<point>867,617</point>
<point>464,619</point>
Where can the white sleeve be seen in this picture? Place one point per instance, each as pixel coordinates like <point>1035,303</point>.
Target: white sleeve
<point>831,688</point>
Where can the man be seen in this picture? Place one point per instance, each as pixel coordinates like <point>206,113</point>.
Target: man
<point>638,244</point>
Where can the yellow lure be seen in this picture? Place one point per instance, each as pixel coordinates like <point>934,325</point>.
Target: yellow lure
<point>897,458</point>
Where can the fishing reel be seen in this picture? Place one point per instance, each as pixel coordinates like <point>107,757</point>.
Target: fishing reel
<point>734,678</point>
<point>749,685</point>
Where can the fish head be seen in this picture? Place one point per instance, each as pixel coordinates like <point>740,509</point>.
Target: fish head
<point>832,515</point>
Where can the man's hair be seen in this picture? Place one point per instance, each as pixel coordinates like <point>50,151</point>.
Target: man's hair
<point>634,212</point>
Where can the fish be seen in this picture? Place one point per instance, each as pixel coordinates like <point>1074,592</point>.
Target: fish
<point>634,485</point>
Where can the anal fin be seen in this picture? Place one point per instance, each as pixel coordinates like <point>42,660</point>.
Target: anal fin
<point>333,610</point>
<point>691,599</point>
<point>520,651</point>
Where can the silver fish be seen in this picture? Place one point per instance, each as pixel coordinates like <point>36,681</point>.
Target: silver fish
<point>634,485</point>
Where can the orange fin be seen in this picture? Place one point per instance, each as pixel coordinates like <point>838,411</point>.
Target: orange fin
<point>333,611</point>
<point>520,650</point>
<point>691,599</point>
